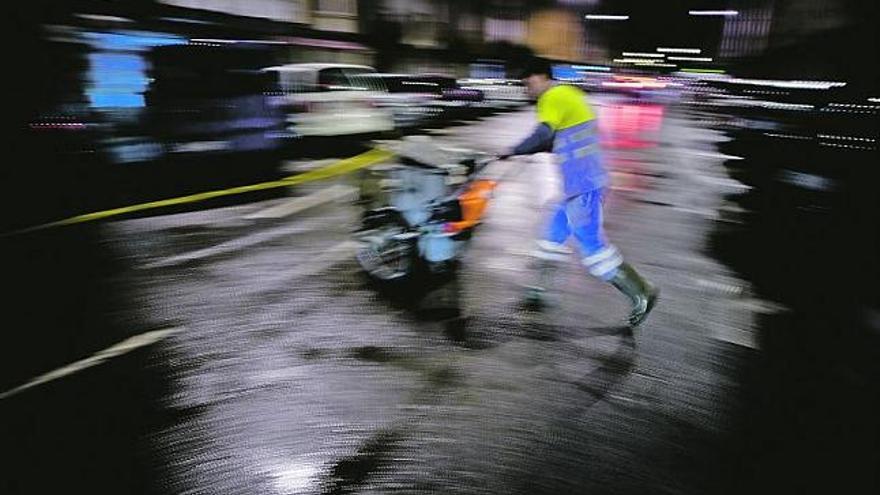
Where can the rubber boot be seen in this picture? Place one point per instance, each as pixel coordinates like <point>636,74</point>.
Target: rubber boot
<point>536,294</point>
<point>641,294</point>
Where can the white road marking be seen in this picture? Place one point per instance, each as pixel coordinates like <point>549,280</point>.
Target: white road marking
<point>119,349</point>
<point>731,289</point>
<point>709,154</point>
<point>722,181</point>
<point>703,212</point>
<point>297,205</point>
<point>736,336</point>
<point>759,306</point>
<point>229,246</point>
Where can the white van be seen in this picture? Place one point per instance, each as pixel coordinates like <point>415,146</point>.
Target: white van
<point>330,99</point>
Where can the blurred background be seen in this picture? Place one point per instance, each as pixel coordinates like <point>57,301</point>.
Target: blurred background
<point>189,184</point>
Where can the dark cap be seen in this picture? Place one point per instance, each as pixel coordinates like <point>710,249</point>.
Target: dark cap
<point>534,66</point>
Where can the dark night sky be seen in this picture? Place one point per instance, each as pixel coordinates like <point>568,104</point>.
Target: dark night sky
<point>849,51</point>
<point>656,23</point>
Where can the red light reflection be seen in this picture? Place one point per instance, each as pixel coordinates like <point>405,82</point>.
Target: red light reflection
<point>624,126</point>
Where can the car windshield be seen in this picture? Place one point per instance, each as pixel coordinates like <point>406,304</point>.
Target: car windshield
<point>420,85</point>
<point>399,83</point>
<point>444,83</point>
<point>306,80</point>
<point>349,79</point>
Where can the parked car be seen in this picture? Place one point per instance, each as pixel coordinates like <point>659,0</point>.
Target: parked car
<point>209,119</point>
<point>330,99</point>
<point>451,93</point>
<point>210,100</point>
<point>499,93</point>
<point>412,101</point>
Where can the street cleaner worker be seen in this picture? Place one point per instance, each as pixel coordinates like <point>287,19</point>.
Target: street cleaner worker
<point>567,125</point>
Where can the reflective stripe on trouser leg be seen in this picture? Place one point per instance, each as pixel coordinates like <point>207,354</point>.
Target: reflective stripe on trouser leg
<point>552,246</point>
<point>551,251</point>
<point>609,261</point>
<point>585,216</point>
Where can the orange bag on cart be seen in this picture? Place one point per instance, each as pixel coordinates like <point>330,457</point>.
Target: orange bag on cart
<point>473,203</point>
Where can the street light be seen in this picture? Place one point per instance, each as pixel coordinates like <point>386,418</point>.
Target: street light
<point>639,54</point>
<point>636,60</point>
<point>606,17</point>
<point>679,50</point>
<point>692,59</point>
<point>714,12</point>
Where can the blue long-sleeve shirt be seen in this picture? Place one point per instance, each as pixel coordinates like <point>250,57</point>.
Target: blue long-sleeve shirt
<point>541,139</point>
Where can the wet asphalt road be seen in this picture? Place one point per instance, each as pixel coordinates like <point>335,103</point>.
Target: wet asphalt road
<point>284,371</point>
